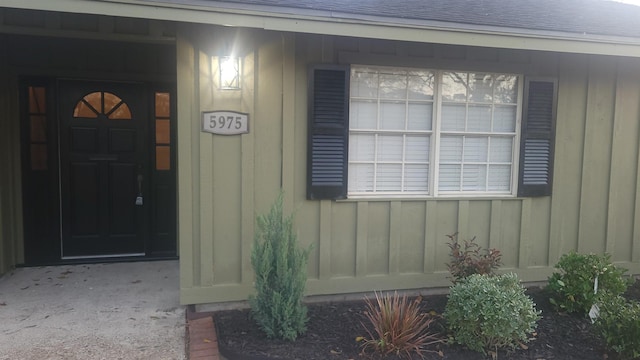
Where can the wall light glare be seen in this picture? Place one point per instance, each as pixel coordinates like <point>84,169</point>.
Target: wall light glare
<point>229,73</point>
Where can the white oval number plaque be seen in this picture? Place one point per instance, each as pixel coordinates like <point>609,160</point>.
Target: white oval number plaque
<point>225,122</point>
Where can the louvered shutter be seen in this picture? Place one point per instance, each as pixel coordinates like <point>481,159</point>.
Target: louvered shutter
<point>537,137</point>
<point>328,132</point>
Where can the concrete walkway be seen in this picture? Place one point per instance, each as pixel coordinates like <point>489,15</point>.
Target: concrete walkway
<point>97,311</point>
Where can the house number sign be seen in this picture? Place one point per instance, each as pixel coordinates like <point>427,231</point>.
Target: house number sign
<point>225,122</point>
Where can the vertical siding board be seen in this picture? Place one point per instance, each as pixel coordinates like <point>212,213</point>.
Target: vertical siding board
<point>525,235</point>
<point>446,223</point>
<point>267,124</point>
<point>495,227</point>
<point>226,217</point>
<point>539,233</point>
<point>411,245</point>
<point>288,120</point>
<point>510,231</point>
<point>378,241</point>
<point>624,162</point>
<point>395,236</point>
<point>325,240</point>
<point>635,251</point>
<point>206,181</point>
<point>307,223</point>
<point>463,220</point>
<point>597,156</point>
<point>362,233</point>
<point>306,212</point>
<point>567,173</point>
<point>431,236</point>
<point>343,239</point>
<point>186,104</point>
<point>479,215</point>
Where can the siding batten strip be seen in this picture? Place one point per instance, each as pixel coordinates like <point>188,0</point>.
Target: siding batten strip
<point>325,239</point>
<point>395,233</point>
<point>525,231</point>
<point>362,233</point>
<point>430,237</point>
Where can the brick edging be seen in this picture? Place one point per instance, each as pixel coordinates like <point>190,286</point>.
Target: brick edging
<point>202,341</point>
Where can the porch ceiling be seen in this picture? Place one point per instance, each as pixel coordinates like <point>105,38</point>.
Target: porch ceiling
<point>343,24</point>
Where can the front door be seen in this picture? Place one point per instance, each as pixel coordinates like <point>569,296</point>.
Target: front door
<point>103,169</point>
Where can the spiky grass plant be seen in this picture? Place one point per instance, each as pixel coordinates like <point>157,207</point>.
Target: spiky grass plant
<point>397,325</point>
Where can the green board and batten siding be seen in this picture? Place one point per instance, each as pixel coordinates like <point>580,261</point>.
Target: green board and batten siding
<point>364,245</point>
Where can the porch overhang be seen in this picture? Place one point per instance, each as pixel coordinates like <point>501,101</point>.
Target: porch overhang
<point>343,24</point>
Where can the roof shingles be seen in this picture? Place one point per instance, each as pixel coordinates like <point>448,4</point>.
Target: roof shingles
<point>593,17</point>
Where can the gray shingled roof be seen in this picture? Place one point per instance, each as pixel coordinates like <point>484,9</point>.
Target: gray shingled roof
<point>590,17</point>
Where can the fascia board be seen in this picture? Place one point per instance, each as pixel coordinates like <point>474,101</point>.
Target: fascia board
<point>332,23</point>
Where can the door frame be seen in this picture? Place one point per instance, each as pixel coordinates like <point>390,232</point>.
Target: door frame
<point>42,210</point>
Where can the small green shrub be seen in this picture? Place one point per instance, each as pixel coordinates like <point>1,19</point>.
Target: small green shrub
<point>470,258</point>
<point>281,276</point>
<point>398,325</point>
<point>572,288</point>
<point>487,313</point>
<point>619,325</point>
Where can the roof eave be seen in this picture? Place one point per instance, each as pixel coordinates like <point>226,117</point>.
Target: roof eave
<point>342,24</point>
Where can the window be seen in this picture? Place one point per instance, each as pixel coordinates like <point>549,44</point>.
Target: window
<point>102,103</point>
<point>393,132</point>
<point>418,132</point>
<point>163,130</point>
<point>38,128</point>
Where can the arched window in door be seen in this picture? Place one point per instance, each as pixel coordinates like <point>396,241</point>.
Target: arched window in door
<point>102,102</point>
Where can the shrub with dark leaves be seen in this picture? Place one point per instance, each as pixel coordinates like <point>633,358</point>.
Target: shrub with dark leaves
<point>470,258</point>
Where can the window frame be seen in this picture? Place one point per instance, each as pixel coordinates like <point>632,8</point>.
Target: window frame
<point>435,135</point>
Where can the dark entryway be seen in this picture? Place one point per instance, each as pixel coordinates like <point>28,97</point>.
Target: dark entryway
<point>98,170</point>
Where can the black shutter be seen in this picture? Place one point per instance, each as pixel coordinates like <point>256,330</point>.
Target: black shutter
<point>328,133</point>
<point>537,137</point>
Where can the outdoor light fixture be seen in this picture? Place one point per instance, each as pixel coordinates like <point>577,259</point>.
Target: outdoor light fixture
<point>229,73</point>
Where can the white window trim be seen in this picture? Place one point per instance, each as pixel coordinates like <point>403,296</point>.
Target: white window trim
<point>435,135</point>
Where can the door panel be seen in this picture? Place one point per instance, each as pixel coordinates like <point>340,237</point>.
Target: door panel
<point>103,164</point>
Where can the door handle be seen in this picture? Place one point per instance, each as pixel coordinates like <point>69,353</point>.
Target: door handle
<point>139,200</point>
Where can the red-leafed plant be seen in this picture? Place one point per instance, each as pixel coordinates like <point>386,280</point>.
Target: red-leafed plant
<point>470,258</point>
<point>398,326</point>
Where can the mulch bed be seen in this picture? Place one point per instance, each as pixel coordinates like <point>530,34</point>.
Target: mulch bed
<point>333,327</point>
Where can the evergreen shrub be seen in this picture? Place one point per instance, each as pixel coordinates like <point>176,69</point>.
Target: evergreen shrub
<point>280,268</point>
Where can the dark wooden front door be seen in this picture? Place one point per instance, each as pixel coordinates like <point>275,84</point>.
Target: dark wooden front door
<point>103,168</point>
